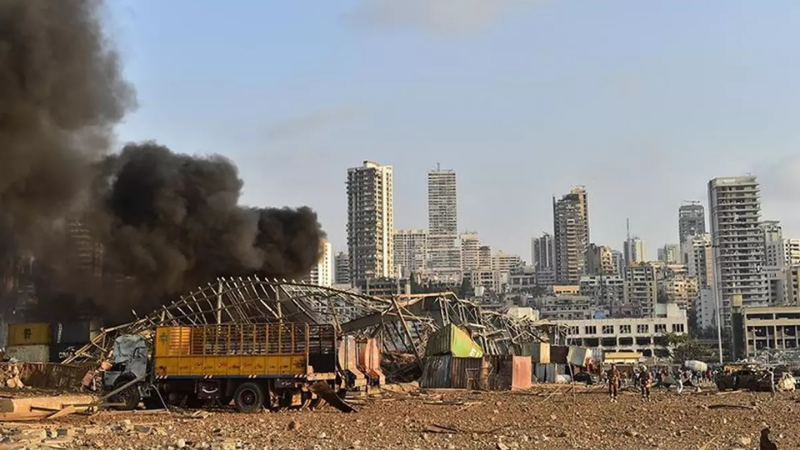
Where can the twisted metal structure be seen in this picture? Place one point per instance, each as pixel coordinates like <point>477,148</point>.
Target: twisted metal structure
<point>403,322</point>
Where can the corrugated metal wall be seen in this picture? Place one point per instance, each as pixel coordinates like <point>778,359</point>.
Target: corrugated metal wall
<point>467,373</point>
<point>436,372</point>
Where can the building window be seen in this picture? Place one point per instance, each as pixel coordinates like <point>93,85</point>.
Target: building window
<point>677,328</point>
<point>573,331</point>
<point>642,328</point>
<point>608,329</point>
<point>661,328</point>
<point>624,329</point>
<point>590,329</point>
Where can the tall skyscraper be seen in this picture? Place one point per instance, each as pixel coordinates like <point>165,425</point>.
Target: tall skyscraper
<point>322,274</point>
<point>670,254</point>
<point>342,268</point>
<point>470,246</point>
<point>737,243</point>
<point>691,221</point>
<point>542,253</point>
<point>370,223</point>
<point>571,235</point>
<point>444,252</point>
<point>635,251</point>
<point>410,251</point>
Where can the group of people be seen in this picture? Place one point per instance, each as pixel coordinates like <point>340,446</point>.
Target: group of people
<point>644,379</point>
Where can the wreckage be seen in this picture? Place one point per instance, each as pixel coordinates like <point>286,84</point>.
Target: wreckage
<point>401,323</point>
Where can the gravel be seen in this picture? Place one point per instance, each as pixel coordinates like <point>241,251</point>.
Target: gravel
<point>540,418</point>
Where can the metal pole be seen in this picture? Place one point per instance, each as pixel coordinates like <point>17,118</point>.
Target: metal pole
<point>219,303</point>
<point>717,300</point>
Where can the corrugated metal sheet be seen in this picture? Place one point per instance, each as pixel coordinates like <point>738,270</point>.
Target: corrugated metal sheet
<point>467,373</point>
<point>29,353</point>
<point>436,372</point>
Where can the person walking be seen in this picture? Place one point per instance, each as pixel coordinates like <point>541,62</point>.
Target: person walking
<point>645,380</point>
<point>613,382</point>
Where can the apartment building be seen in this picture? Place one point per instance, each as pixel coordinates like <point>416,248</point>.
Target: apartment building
<point>691,221</point>
<point>599,260</point>
<point>410,251</point>
<point>641,288</point>
<point>571,235</point>
<point>566,307</point>
<point>470,245</point>
<point>322,274</point>
<point>670,254</point>
<point>635,251</point>
<point>603,289</point>
<point>444,252</point>
<point>370,221</point>
<point>770,328</point>
<point>342,269</point>
<point>737,242</point>
<point>681,289</point>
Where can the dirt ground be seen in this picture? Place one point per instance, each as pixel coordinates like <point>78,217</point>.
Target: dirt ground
<point>546,417</point>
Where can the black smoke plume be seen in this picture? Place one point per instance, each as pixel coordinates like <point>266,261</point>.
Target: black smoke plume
<point>166,222</point>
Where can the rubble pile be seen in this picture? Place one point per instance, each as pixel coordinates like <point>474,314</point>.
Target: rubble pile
<point>10,376</point>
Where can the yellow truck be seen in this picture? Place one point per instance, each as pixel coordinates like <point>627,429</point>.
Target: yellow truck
<point>265,365</point>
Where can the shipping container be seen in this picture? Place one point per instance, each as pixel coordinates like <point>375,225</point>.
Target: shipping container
<point>29,353</point>
<point>578,356</point>
<point>348,361</point>
<point>467,373</point>
<point>77,332</point>
<point>509,372</point>
<point>452,340</point>
<point>37,333</point>
<point>60,352</point>
<point>369,357</point>
<point>436,373</point>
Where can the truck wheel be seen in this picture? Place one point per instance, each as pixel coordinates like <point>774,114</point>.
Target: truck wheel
<point>721,386</point>
<point>130,397</point>
<point>248,398</point>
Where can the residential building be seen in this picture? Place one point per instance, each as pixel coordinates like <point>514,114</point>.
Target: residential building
<point>504,262</point>
<point>485,260</point>
<point>470,245</point>
<point>793,285</point>
<point>641,288</point>
<point>706,309</point>
<point>772,328</point>
<point>410,251</point>
<point>635,251</point>
<point>566,307</point>
<point>618,259</point>
<point>571,235</point>
<point>342,268</point>
<point>599,260</point>
<point>681,289</point>
<point>779,282</point>
<point>489,279</point>
<point>645,335</point>
<point>522,279</point>
<point>85,251</point>
<point>370,222</point>
<point>670,254</point>
<point>700,264</point>
<point>603,289</point>
<point>444,252</point>
<point>737,243</point>
<point>691,221</point>
<point>543,259</point>
<point>322,274</point>
<point>565,289</point>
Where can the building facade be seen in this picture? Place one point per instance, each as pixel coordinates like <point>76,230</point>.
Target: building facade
<point>470,244</point>
<point>599,260</point>
<point>641,288</point>
<point>410,251</point>
<point>635,251</point>
<point>737,243</point>
<point>603,289</point>
<point>370,221</point>
<point>645,335</point>
<point>691,221</point>
<point>543,259</point>
<point>670,254</point>
<point>772,328</point>
<point>342,269</point>
<point>444,252</point>
<point>323,273</point>
<point>571,235</point>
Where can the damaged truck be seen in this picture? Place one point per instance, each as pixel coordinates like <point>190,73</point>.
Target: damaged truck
<point>254,366</point>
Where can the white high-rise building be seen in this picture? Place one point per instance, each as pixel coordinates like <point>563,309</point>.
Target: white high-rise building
<point>635,251</point>
<point>571,235</point>
<point>737,243</point>
<point>444,252</point>
<point>370,224</point>
<point>322,273</point>
<point>470,246</point>
<point>342,268</point>
<point>410,251</point>
<point>670,254</point>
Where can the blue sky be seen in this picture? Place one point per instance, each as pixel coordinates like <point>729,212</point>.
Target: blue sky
<point>640,101</point>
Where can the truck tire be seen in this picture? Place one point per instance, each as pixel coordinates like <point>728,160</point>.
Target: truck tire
<point>721,386</point>
<point>130,397</point>
<point>249,398</point>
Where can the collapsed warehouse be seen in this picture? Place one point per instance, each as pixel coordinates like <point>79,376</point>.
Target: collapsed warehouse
<point>401,325</point>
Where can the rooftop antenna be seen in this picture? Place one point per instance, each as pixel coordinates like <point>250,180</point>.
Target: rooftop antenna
<point>438,167</point>
<point>628,224</point>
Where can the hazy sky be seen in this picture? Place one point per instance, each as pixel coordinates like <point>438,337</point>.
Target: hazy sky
<point>640,101</point>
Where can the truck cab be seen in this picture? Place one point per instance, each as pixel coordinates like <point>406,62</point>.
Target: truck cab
<point>131,362</point>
